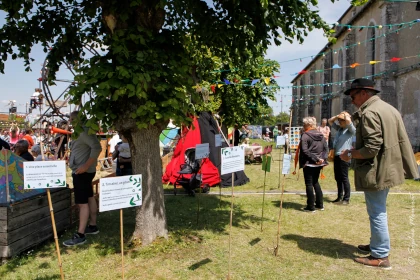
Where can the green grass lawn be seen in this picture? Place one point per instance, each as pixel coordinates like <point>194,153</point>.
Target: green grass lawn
<point>317,245</point>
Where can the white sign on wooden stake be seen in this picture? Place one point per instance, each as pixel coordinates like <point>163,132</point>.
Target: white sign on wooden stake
<point>218,140</point>
<point>281,140</point>
<point>233,159</point>
<point>286,163</point>
<point>202,151</point>
<point>120,192</point>
<point>44,174</point>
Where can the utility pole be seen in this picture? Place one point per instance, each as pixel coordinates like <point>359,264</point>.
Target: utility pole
<point>281,101</point>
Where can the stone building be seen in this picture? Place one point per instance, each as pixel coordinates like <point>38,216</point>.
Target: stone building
<point>384,39</point>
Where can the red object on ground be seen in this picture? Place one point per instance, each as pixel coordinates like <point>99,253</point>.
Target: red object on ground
<point>210,173</point>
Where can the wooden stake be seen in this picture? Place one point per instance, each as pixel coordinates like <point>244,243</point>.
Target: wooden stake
<point>57,246</point>
<point>122,242</point>
<point>220,183</point>
<point>276,249</point>
<point>290,125</point>
<point>198,197</point>
<point>280,162</point>
<point>220,193</point>
<point>262,210</point>
<point>220,157</point>
<point>231,217</point>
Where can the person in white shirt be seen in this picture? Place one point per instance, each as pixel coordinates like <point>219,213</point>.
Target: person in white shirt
<point>113,142</point>
<point>286,136</point>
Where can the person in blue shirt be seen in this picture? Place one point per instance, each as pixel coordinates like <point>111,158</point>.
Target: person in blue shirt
<point>342,141</point>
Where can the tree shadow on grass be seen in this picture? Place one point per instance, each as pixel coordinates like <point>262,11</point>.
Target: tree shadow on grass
<point>43,249</point>
<point>288,205</point>
<point>332,248</point>
<point>108,241</point>
<point>53,277</point>
<point>214,214</point>
<point>200,263</point>
<point>181,214</point>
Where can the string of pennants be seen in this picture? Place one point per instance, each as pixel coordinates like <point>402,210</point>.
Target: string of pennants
<point>267,80</point>
<point>312,97</point>
<point>356,64</point>
<point>400,26</point>
<point>361,27</point>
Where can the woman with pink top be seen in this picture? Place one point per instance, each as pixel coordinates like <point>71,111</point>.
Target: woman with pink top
<point>324,129</point>
<point>14,135</point>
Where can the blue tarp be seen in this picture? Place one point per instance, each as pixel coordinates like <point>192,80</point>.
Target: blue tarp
<point>11,175</point>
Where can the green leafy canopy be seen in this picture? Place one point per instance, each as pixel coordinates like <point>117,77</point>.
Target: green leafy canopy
<point>144,73</point>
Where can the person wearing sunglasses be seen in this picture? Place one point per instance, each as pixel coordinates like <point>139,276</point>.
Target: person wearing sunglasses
<point>342,141</point>
<point>382,158</point>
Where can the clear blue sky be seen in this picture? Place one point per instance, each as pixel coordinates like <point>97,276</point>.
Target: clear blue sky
<point>16,84</point>
<point>313,44</point>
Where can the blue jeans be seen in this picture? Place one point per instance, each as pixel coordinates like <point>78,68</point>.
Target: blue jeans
<point>379,234</point>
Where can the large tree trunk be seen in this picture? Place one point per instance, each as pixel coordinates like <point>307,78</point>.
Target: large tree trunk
<point>150,217</point>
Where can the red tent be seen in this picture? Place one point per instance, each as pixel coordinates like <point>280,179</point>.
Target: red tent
<point>192,137</point>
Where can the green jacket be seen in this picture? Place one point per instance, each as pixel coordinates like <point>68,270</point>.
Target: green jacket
<point>382,140</point>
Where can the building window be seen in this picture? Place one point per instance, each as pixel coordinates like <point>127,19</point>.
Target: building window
<point>342,69</point>
<point>371,50</point>
<point>328,79</point>
<point>311,98</point>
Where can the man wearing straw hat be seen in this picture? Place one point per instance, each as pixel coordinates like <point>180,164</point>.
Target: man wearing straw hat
<point>383,158</point>
<point>84,155</point>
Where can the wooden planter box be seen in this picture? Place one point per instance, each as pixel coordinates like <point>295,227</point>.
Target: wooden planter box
<point>28,223</point>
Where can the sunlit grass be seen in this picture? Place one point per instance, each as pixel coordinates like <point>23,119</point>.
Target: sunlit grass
<point>317,245</point>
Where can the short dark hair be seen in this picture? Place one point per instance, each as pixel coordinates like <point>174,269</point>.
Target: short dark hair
<point>23,144</point>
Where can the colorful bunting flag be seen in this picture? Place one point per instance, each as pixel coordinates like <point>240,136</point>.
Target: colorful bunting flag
<point>267,81</point>
<point>266,164</point>
<point>354,65</point>
<point>254,81</point>
<point>336,66</point>
<point>226,81</point>
<point>213,88</point>
<point>395,59</point>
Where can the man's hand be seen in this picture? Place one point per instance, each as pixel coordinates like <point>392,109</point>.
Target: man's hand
<point>319,162</point>
<point>82,169</point>
<point>344,155</point>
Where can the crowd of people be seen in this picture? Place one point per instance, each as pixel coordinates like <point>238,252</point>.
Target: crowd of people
<point>12,138</point>
<point>21,142</point>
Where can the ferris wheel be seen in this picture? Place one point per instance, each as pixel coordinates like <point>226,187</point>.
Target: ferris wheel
<point>51,95</point>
